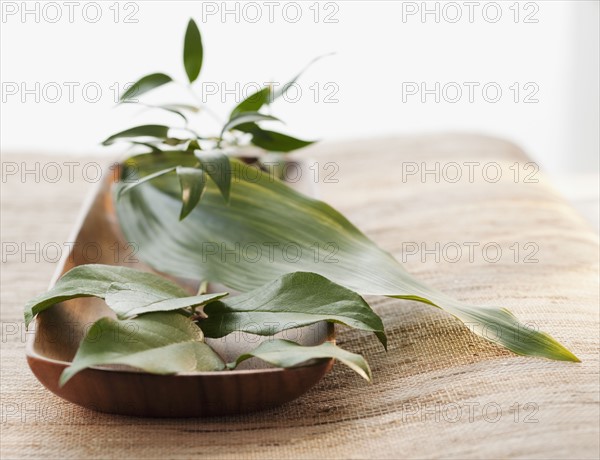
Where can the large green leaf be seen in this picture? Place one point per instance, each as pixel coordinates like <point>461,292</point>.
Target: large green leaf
<point>284,353</point>
<point>294,300</point>
<point>161,343</point>
<point>192,51</point>
<point>145,84</point>
<point>155,131</point>
<point>209,244</point>
<point>127,291</point>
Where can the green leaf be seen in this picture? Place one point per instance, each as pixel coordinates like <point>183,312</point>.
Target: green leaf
<point>265,212</point>
<point>284,353</point>
<point>294,300</point>
<point>252,103</point>
<point>127,291</point>
<point>161,343</point>
<point>217,166</point>
<point>277,142</point>
<point>156,131</point>
<point>145,84</point>
<point>137,182</point>
<point>192,51</point>
<point>192,182</point>
<point>244,118</point>
<point>153,148</point>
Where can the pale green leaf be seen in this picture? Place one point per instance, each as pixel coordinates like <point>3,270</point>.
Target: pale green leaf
<point>217,166</point>
<point>265,212</point>
<point>127,291</point>
<point>161,343</point>
<point>294,300</point>
<point>284,353</point>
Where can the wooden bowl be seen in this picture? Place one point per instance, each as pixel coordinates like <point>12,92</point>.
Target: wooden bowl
<point>58,331</point>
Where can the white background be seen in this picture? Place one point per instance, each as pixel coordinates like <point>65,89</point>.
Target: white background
<point>379,48</point>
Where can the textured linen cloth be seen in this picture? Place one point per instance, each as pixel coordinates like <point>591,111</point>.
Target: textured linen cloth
<point>439,391</point>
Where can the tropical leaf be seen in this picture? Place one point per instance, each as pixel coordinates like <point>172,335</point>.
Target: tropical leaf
<point>294,300</point>
<point>266,213</point>
<point>284,353</point>
<point>155,131</point>
<point>192,51</point>
<point>127,291</point>
<point>161,343</point>
<point>145,84</point>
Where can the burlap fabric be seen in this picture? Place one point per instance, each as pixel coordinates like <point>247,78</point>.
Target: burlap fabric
<point>438,392</point>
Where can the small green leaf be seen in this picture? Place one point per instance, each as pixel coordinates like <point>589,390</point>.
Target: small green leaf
<point>284,353</point>
<point>193,145</point>
<point>131,185</point>
<point>153,148</point>
<point>246,117</point>
<point>161,343</point>
<point>218,167</point>
<point>173,141</point>
<point>131,299</point>
<point>155,131</point>
<point>277,142</point>
<point>252,103</point>
<point>293,300</point>
<point>127,291</point>
<point>192,182</point>
<point>145,84</point>
<point>192,51</point>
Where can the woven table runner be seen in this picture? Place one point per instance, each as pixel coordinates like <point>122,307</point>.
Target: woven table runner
<point>469,215</point>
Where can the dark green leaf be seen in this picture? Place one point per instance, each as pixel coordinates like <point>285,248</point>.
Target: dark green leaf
<point>155,131</point>
<point>252,103</point>
<point>192,182</point>
<point>266,212</point>
<point>294,300</point>
<point>161,343</point>
<point>217,166</point>
<point>192,51</point>
<point>277,142</point>
<point>284,353</point>
<point>145,84</point>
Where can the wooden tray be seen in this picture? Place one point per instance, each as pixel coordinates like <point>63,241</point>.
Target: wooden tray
<point>58,331</point>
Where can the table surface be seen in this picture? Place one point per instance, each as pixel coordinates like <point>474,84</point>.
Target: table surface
<point>439,391</point>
